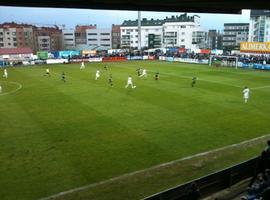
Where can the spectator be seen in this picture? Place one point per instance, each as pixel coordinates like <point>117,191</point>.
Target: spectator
<point>194,193</point>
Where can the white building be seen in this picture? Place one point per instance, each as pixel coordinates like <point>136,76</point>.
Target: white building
<point>259,27</point>
<point>99,37</point>
<point>176,31</point>
<point>69,39</point>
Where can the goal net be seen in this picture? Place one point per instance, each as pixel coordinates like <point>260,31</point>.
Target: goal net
<point>226,61</point>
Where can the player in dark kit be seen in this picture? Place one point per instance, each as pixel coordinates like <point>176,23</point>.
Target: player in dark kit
<point>138,70</point>
<point>157,76</point>
<point>194,79</point>
<point>110,80</point>
<point>63,77</point>
<point>105,67</point>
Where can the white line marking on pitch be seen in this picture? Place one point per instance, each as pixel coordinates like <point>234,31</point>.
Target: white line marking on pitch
<point>261,87</point>
<point>152,168</point>
<point>199,79</point>
<point>13,91</point>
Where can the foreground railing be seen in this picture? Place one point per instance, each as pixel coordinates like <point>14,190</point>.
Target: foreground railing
<point>211,183</point>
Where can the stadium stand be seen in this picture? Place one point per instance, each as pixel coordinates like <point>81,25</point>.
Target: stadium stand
<point>249,180</point>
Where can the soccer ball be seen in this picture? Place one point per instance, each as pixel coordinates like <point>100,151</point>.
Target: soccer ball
<point>134,86</point>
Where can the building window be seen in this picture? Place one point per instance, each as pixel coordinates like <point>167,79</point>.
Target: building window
<point>107,33</point>
<point>14,39</point>
<point>1,44</point>
<point>182,26</point>
<point>183,33</point>
<point>105,40</point>
<point>92,39</point>
<point>7,33</point>
<point>1,33</point>
<point>92,33</point>
<point>183,40</point>
<point>13,33</point>
<point>15,44</point>
<point>9,44</point>
<point>1,39</point>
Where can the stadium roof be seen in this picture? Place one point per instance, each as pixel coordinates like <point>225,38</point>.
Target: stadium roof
<point>208,6</point>
<point>9,51</point>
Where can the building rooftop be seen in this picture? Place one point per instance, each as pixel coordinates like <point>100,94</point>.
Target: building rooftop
<point>8,51</point>
<point>236,24</point>
<point>159,22</point>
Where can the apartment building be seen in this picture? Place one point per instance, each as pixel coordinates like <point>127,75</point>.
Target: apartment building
<point>116,36</point>
<point>99,37</point>
<point>259,27</point>
<point>234,33</point>
<point>174,31</point>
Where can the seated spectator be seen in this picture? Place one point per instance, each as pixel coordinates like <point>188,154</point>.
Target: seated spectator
<point>194,193</point>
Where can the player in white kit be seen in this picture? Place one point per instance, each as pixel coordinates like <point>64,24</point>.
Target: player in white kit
<point>5,73</point>
<point>129,82</point>
<point>82,65</point>
<point>144,74</point>
<point>97,74</point>
<point>246,94</point>
<point>0,89</point>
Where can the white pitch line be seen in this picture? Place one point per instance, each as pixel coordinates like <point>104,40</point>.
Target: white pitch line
<point>13,91</point>
<point>199,79</point>
<point>261,87</point>
<point>92,185</point>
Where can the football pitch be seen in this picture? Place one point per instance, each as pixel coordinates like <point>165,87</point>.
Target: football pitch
<point>55,136</point>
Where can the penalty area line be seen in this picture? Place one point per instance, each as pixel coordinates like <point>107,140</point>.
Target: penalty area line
<point>92,185</point>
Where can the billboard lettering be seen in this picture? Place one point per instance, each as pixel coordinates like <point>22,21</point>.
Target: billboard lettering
<point>257,47</point>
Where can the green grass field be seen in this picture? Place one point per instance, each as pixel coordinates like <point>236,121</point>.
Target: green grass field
<point>56,136</point>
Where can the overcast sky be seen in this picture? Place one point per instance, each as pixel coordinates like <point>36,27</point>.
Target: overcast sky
<point>104,18</point>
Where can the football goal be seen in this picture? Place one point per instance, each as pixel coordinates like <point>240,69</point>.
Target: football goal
<point>228,61</point>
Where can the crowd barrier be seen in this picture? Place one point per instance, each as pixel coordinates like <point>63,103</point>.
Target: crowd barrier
<point>212,183</point>
<point>95,59</point>
<point>113,59</point>
<point>77,60</point>
<point>185,60</point>
<point>57,61</point>
<point>261,66</point>
<point>135,57</point>
<point>254,66</point>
